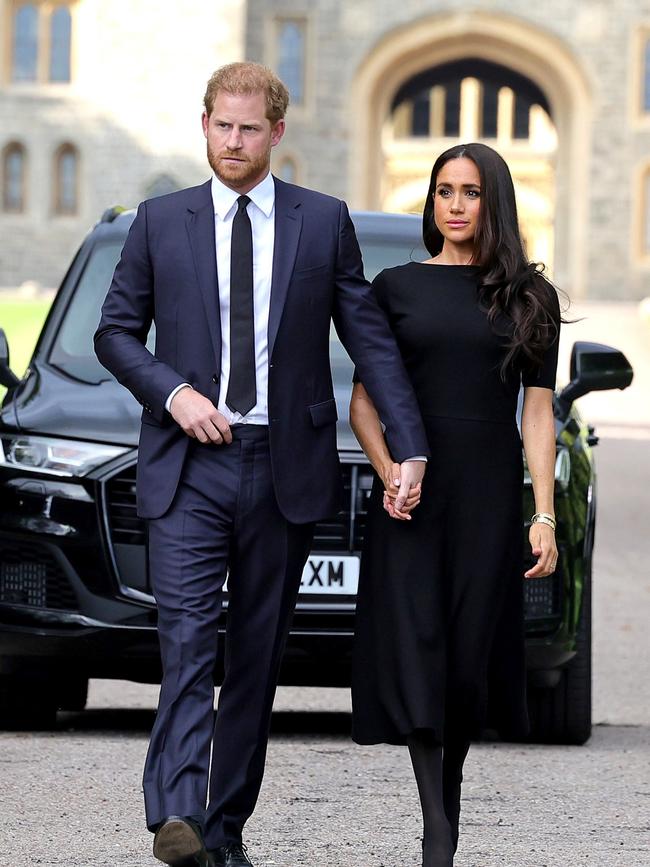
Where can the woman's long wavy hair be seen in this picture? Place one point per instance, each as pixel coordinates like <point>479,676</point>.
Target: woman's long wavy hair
<point>509,284</point>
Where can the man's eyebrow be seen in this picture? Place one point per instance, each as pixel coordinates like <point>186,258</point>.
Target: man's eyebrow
<point>244,123</point>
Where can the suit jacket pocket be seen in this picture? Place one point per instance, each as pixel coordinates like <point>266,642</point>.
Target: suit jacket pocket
<point>323,413</point>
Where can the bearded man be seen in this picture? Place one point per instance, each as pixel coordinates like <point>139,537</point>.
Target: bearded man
<point>237,456</point>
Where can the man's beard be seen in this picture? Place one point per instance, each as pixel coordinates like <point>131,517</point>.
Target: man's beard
<point>239,173</point>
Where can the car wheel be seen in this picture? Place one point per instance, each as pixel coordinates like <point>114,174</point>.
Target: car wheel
<point>72,694</point>
<point>562,715</point>
<point>26,703</point>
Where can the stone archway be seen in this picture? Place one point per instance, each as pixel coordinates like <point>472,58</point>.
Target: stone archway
<point>512,42</point>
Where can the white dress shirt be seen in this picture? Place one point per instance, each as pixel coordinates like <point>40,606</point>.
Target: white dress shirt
<point>261,212</point>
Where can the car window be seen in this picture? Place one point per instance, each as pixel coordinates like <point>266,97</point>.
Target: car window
<point>380,253</point>
<point>73,350</point>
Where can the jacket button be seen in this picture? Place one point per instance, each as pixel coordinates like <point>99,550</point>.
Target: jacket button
<point>215,379</point>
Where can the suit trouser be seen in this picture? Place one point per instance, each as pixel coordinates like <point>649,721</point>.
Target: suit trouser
<point>224,517</point>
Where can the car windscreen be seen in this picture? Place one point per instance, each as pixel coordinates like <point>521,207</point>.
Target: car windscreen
<point>379,253</point>
<point>73,352</point>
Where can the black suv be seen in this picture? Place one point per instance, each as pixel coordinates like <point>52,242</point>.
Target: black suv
<point>75,598</point>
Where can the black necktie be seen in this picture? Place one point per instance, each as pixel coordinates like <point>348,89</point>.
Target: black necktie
<point>242,391</point>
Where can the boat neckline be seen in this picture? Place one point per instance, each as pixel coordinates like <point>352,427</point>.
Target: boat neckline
<point>441,264</point>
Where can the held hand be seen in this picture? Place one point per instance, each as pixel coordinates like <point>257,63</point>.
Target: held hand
<point>411,474</point>
<point>199,417</point>
<point>412,501</point>
<point>393,478</point>
<point>390,476</point>
<point>542,542</point>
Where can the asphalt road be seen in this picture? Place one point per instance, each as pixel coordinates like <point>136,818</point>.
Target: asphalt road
<point>72,797</point>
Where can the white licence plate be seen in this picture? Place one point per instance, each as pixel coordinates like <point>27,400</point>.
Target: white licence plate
<point>335,575</point>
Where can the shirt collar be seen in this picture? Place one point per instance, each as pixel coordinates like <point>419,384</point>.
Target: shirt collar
<point>262,195</point>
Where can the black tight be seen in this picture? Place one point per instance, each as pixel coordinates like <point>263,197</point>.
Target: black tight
<point>438,772</point>
<point>455,751</point>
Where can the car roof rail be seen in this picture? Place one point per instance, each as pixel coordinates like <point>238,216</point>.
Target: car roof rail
<point>111,213</point>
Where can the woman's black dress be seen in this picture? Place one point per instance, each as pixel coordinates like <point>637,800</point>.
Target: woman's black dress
<point>439,630</point>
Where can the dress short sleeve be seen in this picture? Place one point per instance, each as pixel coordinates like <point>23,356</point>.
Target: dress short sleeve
<point>544,376</point>
<point>379,290</point>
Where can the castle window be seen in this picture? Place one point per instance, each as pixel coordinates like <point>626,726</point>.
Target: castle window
<point>60,38</point>
<point>41,41</point>
<point>66,180</point>
<point>13,179</point>
<point>24,65</point>
<point>291,58</point>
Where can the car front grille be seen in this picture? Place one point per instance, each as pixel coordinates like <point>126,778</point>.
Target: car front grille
<point>126,527</point>
<point>344,534</point>
<point>128,533</point>
<point>341,535</point>
<point>543,597</point>
<point>30,574</point>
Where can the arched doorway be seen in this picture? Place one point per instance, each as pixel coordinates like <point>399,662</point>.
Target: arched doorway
<point>477,48</point>
<point>472,99</point>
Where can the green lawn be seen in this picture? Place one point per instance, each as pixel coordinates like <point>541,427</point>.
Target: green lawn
<point>22,322</point>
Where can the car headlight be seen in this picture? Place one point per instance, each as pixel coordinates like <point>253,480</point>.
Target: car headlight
<point>56,456</point>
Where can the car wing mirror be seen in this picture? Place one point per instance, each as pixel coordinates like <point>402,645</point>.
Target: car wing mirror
<point>594,367</point>
<point>7,377</point>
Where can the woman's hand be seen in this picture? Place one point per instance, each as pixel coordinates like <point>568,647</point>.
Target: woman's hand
<point>390,476</point>
<point>542,541</point>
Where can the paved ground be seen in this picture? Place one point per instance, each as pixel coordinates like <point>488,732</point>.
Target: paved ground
<point>326,802</point>
<point>72,797</point>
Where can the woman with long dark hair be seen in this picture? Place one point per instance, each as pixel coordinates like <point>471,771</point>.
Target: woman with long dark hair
<point>439,648</point>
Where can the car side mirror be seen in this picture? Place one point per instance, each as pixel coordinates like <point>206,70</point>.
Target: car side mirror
<point>594,367</point>
<point>7,377</point>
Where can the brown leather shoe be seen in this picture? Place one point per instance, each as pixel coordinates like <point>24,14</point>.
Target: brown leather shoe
<point>179,843</point>
<point>232,855</point>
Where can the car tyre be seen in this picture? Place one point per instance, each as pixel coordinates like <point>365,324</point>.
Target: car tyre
<point>562,715</point>
<point>26,704</point>
<point>73,694</point>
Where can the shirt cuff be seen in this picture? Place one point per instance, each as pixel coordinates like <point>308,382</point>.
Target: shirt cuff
<point>416,458</point>
<point>168,402</point>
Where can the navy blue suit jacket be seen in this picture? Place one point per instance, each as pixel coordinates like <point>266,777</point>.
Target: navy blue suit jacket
<point>167,273</point>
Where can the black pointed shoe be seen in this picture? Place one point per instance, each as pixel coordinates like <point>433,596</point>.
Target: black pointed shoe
<point>179,843</point>
<point>232,855</point>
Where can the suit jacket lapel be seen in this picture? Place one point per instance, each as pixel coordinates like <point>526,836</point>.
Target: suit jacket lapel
<point>200,228</point>
<point>288,223</point>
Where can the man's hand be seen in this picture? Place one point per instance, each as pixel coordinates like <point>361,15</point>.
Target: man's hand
<point>199,417</point>
<point>403,489</point>
<point>411,475</point>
